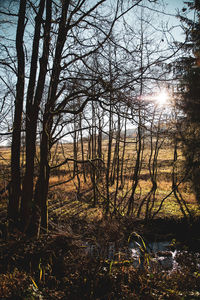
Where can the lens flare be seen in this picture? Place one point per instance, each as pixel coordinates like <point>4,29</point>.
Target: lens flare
<point>162,97</point>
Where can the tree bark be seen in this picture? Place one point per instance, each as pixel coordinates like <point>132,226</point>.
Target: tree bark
<point>42,185</point>
<point>15,186</point>
<point>32,106</point>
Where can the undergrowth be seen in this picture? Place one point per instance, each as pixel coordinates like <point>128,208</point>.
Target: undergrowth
<point>57,266</point>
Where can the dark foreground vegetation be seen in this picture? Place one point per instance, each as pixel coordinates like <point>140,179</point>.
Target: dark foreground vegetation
<point>59,266</point>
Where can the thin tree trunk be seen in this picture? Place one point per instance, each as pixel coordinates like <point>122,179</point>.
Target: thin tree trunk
<point>99,148</point>
<point>122,158</point>
<point>175,188</point>
<point>42,185</point>
<point>82,147</point>
<point>75,149</point>
<point>109,160</point>
<point>135,177</point>
<point>93,169</point>
<point>117,168</point>
<point>15,186</point>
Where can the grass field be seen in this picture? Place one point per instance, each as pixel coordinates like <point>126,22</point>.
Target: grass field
<point>164,180</point>
<point>70,195</point>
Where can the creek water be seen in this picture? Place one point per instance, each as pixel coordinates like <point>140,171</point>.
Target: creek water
<point>158,253</point>
<point>134,249</point>
<point>158,256</point>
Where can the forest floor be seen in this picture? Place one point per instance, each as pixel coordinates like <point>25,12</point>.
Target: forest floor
<point>58,265</point>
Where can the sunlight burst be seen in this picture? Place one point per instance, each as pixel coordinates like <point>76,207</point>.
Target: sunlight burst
<point>162,97</point>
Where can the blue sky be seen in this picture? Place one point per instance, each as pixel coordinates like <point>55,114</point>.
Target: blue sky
<point>173,7</point>
<point>175,3</point>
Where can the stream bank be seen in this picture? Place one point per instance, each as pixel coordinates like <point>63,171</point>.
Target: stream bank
<point>57,266</point>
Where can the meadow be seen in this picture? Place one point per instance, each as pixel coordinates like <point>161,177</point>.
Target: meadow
<point>73,183</point>
<point>79,190</point>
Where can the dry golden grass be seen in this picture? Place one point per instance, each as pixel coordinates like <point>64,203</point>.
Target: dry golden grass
<point>165,163</point>
<point>4,155</point>
<point>70,195</point>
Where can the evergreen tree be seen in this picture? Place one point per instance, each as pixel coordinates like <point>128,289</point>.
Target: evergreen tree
<point>188,69</point>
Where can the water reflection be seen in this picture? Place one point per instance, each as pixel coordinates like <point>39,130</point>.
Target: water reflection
<point>158,254</point>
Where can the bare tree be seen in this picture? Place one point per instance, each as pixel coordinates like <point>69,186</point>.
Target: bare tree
<point>64,38</point>
<point>15,186</point>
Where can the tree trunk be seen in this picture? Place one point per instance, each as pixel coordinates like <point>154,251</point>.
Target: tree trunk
<point>42,185</point>
<point>135,177</point>
<point>110,139</point>
<point>82,146</point>
<point>117,165</point>
<point>15,186</point>
<point>122,179</point>
<point>32,107</point>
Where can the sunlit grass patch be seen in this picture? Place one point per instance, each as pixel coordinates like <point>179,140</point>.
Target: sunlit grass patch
<point>171,208</point>
<point>5,153</point>
<point>79,189</point>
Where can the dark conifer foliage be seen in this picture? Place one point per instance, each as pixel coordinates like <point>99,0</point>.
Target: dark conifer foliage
<point>189,98</point>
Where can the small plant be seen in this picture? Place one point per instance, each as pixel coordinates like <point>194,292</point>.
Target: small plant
<point>144,258</point>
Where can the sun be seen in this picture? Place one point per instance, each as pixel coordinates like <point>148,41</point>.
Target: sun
<point>162,97</point>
